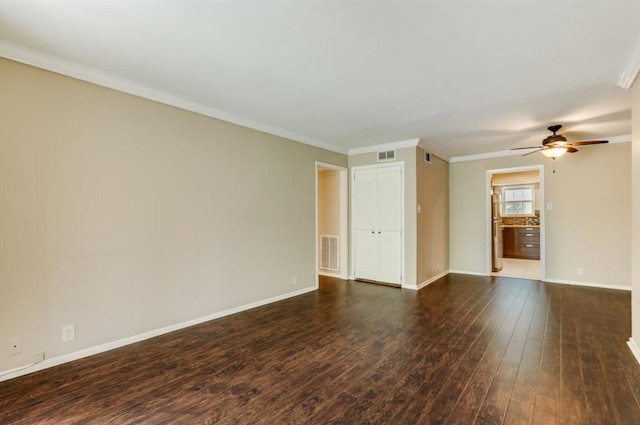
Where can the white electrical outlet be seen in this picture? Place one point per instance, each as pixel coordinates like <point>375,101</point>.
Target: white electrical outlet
<point>295,280</point>
<point>38,357</point>
<point>438,266</point>
<point>580,271</point>
<point>15,346</point>
<point>549,206</point>
<point>68,333</point>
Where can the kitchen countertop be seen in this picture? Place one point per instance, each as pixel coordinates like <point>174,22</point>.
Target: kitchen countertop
<point>520,225</point>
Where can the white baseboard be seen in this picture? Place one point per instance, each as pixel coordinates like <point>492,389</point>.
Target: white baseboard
<point>634,349</point>
<point>426,282</point>
<point>589,284</point>
<point>468,272</point>
<point>55,361</point>
<point>329,274</point>
<point>561,282</point>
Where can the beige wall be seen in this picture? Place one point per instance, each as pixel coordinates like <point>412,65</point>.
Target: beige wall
<point>522,177</point>
<point>433,220</point>
<point>328,205</point>
<point>408,157</point>
<point>122,215</point>
<point>635,293</point>
<point>588,226</point>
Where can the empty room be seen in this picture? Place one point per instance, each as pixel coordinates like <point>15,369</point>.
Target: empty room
<point>319,212</point>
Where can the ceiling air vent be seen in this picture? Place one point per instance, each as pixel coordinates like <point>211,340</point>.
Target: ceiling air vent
<point>427,157</point>
<point>386,156</point>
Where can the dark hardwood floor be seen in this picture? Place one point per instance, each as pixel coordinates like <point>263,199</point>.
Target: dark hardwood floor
<point>464,350</point>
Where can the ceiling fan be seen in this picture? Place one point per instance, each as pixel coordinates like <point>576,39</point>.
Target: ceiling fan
<point>556,145</point>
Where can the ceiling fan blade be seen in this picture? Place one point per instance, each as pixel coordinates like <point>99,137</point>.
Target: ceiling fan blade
<point>529,153</point>
<point>527,147</point>
<point>592,142</point>
<point>571,150</point>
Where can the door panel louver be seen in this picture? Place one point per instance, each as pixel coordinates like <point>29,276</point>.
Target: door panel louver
<point>329,252</point>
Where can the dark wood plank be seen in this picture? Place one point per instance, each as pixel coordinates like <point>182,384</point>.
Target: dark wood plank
<point>521,403</point>
<point>488,391</point>
<point>547,393</point>
<point>464,350</point>
<point>447,355</point>
<point>572,390</point>
<point>500,393</point>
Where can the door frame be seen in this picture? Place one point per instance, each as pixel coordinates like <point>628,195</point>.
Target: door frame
<point>344,220</point>
<point>488,223</point>
<point>403,263</point>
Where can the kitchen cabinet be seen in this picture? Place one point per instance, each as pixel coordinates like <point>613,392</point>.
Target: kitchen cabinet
<point>528,239</point>
<point>521,242</point>
<point>509,244</point>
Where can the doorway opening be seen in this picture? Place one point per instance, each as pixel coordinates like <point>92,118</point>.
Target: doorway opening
<point>332,203</point>
<point>515,225</point>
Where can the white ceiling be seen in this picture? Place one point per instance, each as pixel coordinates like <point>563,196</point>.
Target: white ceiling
<point>465,77</point>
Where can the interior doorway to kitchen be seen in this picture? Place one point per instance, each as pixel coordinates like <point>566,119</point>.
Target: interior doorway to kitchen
<point>515,228</point>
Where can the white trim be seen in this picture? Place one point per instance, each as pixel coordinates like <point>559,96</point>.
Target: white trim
<point>94,76</point>
<point>322,272</point>
<point>617,139</point>
<point>588,284</point>
<point>344,221</point>
<point>560,282</point>
<point>630,71</point>
<point>488,155</point>
<point>328,166</point>
<point>426,282</point>
<point>60,66</point>
<point>55,361</point>
<point>468,272</point>
<point>635,350</point>
<point>385,147</point>
<point>499,154</point>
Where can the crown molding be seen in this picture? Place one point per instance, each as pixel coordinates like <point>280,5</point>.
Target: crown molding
<point>93,76</point>
<point>103,79</point>
<point>488,155</point>
<point>411,143</point>
<point>631,70</point>
<point>618,139</point>
<point>463,158</point>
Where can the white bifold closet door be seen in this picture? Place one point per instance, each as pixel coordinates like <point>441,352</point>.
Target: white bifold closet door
<point>377,223</point>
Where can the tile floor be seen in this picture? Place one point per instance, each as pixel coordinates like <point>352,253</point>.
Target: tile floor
<point>524,269</point>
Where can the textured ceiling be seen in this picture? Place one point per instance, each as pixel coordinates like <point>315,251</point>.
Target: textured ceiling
<point>465,77</point>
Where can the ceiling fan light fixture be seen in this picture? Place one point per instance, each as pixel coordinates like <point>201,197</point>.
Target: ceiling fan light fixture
<point>554,153</point>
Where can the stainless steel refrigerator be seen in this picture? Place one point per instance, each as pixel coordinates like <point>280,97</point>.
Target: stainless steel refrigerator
<point>496,232</point>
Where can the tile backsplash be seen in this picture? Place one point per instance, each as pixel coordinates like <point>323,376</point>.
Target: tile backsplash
<point>523,221</point>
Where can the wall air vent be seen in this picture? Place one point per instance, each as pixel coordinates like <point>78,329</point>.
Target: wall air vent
<point>329,252</point>
<point>427,157</point>
<point>386,156</point>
